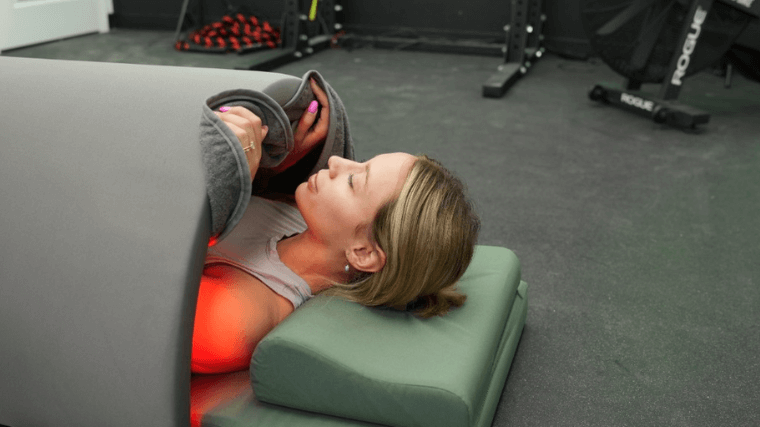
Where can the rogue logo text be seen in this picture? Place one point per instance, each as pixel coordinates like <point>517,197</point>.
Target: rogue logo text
<point>637,102</point>
<point>688,46</point>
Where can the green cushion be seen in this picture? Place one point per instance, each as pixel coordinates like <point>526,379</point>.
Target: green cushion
<point>382,366</point>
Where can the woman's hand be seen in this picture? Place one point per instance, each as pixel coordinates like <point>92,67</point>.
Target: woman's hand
<point>309,134</point>
<point>249,131</point>
<point>307,137</point>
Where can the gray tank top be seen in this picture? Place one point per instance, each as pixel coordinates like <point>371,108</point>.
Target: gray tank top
<point>252,247</point>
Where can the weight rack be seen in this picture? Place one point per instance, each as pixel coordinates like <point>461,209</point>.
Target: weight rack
<point>522,47</point>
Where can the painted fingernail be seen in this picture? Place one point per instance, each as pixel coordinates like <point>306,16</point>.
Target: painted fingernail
<point>224,109</point>
<point>313,107</point>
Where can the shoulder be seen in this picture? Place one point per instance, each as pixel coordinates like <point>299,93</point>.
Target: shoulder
<point>233,313</point>
<point>228,283</point>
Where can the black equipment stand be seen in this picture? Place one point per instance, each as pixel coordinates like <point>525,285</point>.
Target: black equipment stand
<point>522,48</point>
<point>304,31</point>
<point>664,109</point>
<point>304,34</point>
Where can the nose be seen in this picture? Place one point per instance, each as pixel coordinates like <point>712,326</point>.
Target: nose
<point>336,165</point>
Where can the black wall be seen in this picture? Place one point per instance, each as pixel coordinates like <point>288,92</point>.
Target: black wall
<point>164,14</point>
<point>463,19</point>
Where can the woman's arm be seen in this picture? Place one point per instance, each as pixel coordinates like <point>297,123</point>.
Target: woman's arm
<point>227,184</point>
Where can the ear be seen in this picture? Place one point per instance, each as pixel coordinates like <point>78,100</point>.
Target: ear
<point>366,256</point>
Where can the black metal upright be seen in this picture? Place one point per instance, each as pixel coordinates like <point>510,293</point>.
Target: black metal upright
<point>664,108</point>
<point>671,87</point>
<point>303,33</point>
<point>522,48</point>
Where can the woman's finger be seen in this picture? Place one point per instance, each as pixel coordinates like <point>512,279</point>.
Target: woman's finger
<point>246,127</point>
<point>320,130</point>
<point>239,121</point>
<point>244,113</point>
<point>259,129</point>
<point>247,139</point>
<point>319,93</point>
<point>306,121</point>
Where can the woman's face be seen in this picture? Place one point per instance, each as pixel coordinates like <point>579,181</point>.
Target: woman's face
<point>337,200</point>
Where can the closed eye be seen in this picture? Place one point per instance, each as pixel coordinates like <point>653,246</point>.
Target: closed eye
<point>351,176</point>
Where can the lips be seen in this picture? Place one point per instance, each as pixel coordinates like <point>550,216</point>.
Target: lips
<point>313,182</point>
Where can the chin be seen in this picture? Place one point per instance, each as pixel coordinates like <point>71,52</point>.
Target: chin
<point>299,194</point>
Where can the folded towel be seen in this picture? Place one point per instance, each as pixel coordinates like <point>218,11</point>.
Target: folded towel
<point>228,180</point>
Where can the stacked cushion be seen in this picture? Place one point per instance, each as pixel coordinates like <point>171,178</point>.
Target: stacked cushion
<point>391,368</point>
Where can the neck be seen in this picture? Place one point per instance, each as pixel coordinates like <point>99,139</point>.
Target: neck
<point>313,261</point>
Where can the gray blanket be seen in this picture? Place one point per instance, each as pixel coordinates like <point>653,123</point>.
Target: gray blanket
<point>280,106</point>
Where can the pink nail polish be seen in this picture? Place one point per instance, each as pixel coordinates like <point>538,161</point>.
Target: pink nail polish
<point>313,107</point>
<point>224,109</point>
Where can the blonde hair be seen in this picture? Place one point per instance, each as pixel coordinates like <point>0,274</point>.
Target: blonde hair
<point>428,235</point>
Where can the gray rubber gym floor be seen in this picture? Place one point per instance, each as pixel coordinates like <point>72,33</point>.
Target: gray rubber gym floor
<point>640,242</point>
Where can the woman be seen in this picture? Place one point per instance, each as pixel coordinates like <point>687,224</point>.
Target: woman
<point>395,231</point>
